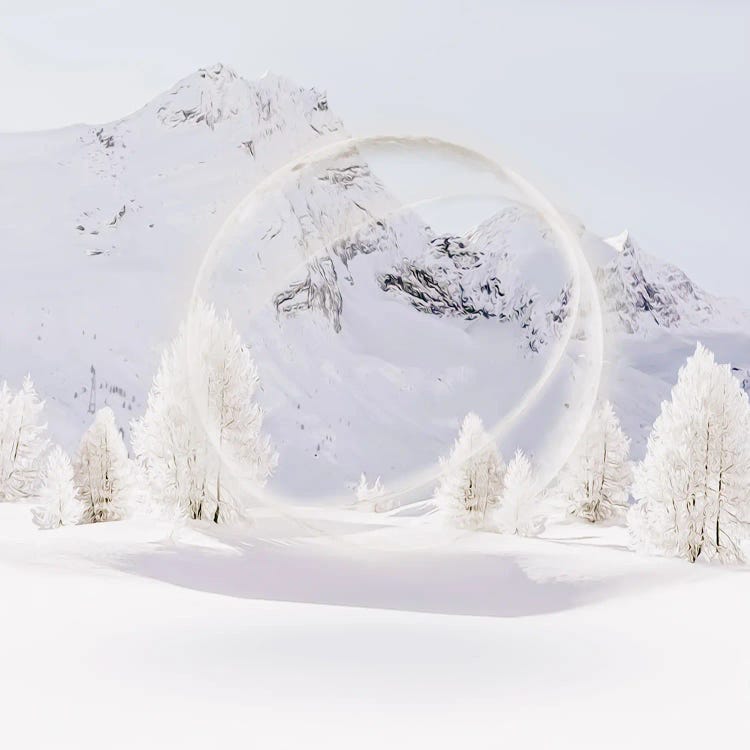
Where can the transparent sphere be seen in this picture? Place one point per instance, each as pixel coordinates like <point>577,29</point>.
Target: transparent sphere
<point>388,286</point>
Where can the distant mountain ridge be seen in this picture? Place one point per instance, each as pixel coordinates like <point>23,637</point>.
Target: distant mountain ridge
<point>641,291</point>
<point>375,333</point>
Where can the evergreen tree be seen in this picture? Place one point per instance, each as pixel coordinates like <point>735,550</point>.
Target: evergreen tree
<point>368,495</point>
<point>201,439</point>
<point>519,511</point>
<point>102,471</point>
<point>170,446</point>
<point>693,486</point>
<point>596,481</point>
<point>58,496</point>
<point>22,441</point>
<point>471,477</point>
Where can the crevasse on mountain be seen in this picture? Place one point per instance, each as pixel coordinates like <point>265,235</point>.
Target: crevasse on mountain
<point>373,334</point>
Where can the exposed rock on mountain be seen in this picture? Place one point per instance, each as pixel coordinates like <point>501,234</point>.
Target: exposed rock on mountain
<point>642,291</point>
<point>373,334</point>
<point>478,275</point>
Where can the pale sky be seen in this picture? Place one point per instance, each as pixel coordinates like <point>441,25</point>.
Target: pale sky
<point>628,114</point>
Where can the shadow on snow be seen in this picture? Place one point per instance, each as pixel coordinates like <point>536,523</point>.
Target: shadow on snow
<point>432,581</point>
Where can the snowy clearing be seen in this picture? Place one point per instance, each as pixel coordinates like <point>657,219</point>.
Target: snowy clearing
<point>310,627</point>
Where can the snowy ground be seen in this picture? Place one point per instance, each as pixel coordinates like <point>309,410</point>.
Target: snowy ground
<point>348,629</point>
<point>326,627</point>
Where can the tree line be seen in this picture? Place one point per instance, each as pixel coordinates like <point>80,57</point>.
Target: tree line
<point>198,448</point>
<point>691,491</point>
<point>200,452</point>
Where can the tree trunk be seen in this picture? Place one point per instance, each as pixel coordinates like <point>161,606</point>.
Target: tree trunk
<point>218,495</point>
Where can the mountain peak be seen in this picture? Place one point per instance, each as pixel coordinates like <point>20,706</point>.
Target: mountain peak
<point>259,109</point>
<point>219,75</point>
<point>644,292</point>
<point>207,96</point>
<point>623,242</point>
<point>216,72</point>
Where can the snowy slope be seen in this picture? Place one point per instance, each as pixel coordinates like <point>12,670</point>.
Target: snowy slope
<point>121,214</point>
<point>376,634</point>
<point>655,315</point>
<point>373,334</point>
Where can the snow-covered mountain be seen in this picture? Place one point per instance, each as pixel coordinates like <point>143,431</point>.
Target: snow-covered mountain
<point>646,294</point>
<point>655,315</point>
<point>373,333</point>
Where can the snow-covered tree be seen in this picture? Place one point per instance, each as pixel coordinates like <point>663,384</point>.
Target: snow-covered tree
<point>519,511</point>
<point>368,493</point>
<point>693,486</point>
<point>59,504</point>
<point>471,478</point>
<point>102,471</point>
<point>373,497</point>
<point>22,441</point>
<point>201,439</point>
<point>170,446</point>
<point>595,484</point>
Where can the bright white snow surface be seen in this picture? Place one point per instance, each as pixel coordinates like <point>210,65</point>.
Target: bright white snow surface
<point>379,632</point>
<point>323,626</point>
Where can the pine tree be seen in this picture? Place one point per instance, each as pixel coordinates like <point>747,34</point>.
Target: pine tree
<point>693,486</point>
<point>368,495</point>
<point>519,510</point>
<point>58,496</point>
<point>22,441</point>
<point>102,471</point>
<point>201,439</point>
<point>170,446</point>
<point>366,492</point>
<point>596,481</point>
<point>471,477</point>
